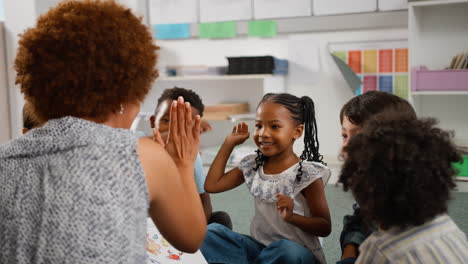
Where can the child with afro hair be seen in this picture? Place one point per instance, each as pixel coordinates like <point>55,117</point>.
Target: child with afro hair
<point>400,172</point>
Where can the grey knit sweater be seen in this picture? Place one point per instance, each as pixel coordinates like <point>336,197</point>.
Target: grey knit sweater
<point>72,191</point>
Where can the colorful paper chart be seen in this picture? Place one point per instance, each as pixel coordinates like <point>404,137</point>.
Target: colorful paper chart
<point>383,65</point>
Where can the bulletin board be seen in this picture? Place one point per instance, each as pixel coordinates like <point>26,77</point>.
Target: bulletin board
<point>381,65</point>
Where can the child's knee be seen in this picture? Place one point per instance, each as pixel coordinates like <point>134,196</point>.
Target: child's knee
<point>292,252</point>
<point>216,228</point>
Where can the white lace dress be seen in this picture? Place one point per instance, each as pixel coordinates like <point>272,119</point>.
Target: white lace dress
<point>267,225</point>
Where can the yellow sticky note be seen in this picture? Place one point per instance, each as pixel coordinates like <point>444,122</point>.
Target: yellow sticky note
<point>370,61</point>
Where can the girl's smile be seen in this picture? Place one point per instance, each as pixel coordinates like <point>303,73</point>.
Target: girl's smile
<point>275,130</point>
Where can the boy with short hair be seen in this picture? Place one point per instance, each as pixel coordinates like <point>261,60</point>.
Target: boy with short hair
<point>160,121</point>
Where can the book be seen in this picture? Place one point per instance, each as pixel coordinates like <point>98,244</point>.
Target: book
<point>159,251</point>
<point>460,61</point>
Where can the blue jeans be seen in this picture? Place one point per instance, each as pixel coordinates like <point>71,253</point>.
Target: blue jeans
<point>222,245</point>
<point>347,261</point>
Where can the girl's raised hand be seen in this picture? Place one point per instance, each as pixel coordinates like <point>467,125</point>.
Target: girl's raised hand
<point>285,206</point>
<point>239,135</point>
<point>184,136</point>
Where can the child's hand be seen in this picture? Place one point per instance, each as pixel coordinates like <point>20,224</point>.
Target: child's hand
<point>239,135</point>
<point>285,206</point>
<point>184,137</point>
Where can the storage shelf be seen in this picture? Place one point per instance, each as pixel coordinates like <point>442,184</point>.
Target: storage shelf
<point>439,92</point>
<point>219,77</point>
<point>436,2</point>
<point>425,80</point>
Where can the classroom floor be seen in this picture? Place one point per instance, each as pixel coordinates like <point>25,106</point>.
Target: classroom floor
<point>239,204</point>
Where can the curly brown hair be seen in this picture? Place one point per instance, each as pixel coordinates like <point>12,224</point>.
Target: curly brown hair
<point>400,171</point>
<point>84,59</point>
<point>29,119</point>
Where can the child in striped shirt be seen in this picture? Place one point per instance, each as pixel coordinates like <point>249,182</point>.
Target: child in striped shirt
<point>400,173</point>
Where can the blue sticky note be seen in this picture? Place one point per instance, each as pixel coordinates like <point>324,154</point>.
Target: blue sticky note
<point>386,84</point>
<point>171,31</point>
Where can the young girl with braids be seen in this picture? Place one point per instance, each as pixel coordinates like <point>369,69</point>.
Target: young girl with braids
<point>290,206</point>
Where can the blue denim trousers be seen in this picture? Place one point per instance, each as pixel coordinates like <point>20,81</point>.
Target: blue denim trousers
<point>222,245</point>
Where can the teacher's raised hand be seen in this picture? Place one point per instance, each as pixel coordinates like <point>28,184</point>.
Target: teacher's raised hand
<point>184,134</point>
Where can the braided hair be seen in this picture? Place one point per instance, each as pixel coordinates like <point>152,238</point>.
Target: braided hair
<point>302,112</point>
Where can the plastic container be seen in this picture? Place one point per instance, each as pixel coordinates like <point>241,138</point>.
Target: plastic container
<point>462,167</point>
<point>423,79</point>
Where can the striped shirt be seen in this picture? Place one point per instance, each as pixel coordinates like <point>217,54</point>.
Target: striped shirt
<point>437,241</point>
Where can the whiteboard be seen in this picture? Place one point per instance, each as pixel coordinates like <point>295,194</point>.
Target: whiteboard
<point>225,10</point>
<point>386,5</point>
<point>173,11</point>
<point>334,7</point>
<point>264,9</point>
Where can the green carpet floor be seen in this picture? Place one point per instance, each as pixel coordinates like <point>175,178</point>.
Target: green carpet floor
<point>239,204</point>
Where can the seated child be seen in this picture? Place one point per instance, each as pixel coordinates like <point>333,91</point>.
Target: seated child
<point>400,173</point>
<point>353,116</point>
<point>291,210</point>
<point>160,121</point>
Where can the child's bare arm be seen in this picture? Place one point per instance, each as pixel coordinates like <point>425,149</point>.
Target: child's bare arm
<point>319,224</point>
<point>217,180</point>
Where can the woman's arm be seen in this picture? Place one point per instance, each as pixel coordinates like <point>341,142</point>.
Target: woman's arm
<point>175,205</point>
<point>217,180</point>
<point>319,223</point>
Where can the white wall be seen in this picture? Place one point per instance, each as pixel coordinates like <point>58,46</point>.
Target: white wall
<point>19,15</point>
<point>4,106</point>
<point>329,93</point>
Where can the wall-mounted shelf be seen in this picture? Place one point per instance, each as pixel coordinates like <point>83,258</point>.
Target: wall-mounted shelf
<point>218,77</point>
<point>440,93</point>
<point>214,90</point>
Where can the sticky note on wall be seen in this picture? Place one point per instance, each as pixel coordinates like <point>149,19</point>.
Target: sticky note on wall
<point>354,61</point>
<point>401,60</point>
<point>386,60</point>
<point>369,83</point>
<point>386,83</point>
<point>401,86</point>
<point>171,31</point>
<point>218,30</point>
<point>262,28</point>
<point>370,61</point>
<point>341,55</point>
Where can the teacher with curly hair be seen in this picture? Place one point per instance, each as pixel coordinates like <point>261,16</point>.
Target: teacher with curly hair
<point>79,188</point>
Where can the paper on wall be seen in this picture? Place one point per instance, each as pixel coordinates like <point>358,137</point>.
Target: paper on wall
<point>304,61</point>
